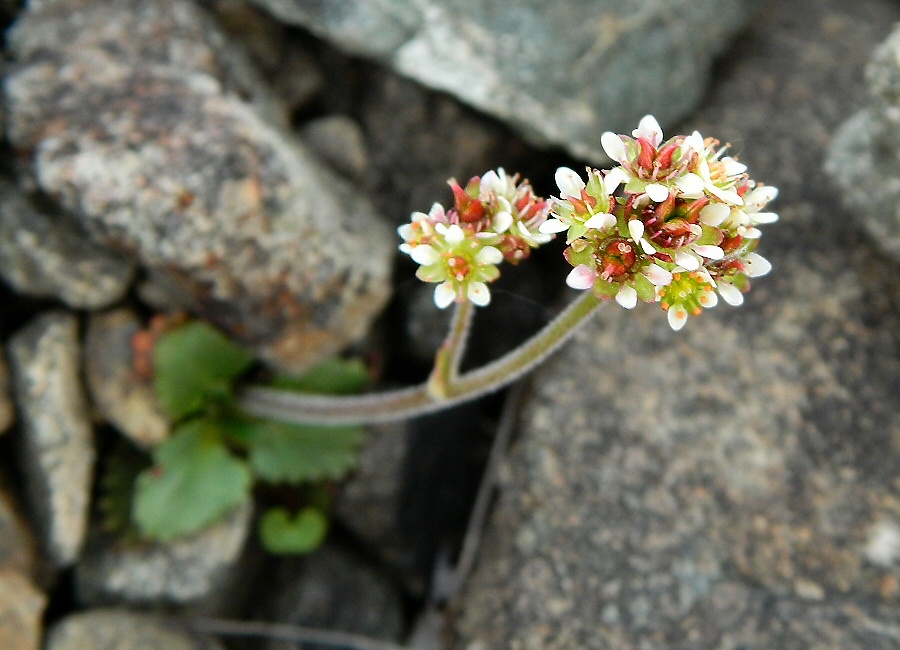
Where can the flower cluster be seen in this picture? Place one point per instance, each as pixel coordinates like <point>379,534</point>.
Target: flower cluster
<point>681,231</point>
<point>495,218</point>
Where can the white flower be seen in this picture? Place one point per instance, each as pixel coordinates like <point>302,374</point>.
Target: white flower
<point>581,277</point>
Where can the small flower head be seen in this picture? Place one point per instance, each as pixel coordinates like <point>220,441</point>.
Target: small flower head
<point>494,218</point>
<point>677,226</point>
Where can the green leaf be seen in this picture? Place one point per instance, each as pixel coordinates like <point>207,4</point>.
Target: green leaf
<point>333,377</point>
<point>282,534</point>
<point>281,452</point>
<point>193,364</point>
<point>194,482</point>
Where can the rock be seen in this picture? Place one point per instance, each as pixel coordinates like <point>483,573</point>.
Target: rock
<point>56,446</point>
<point>333,590</point>
<point>561,76</point>
<point>293,72</point>
<point>21,610</point>
<point>369,500</point>
<point>44,253</point>
<point>200,570</point>
<point>117,629</point>
<point>339,141</point>
<point>864,159</point>
<point>17,551</point>
<point>733,484</point>
<point>123,397</point>
<point>7,411</point>
<point>157,155</point>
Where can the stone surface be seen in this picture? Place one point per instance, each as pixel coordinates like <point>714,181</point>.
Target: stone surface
<point>339,141</point>
<point>369,500</point>
<point>44,253</point>
<point>864,158</point>
<point>200,570</point>
<point>123,397</point>
<point>332,589</point>
<point>17,551</point>
<point>7,411</point>
<point>56,444</point>
<point>561,76</point>
<point>158,155</point>
<point>732,485</point>
<point>21,608</point>
<point>118,629</point>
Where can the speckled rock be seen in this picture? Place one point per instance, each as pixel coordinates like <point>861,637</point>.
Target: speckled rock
<point>332,589</point>
<point>123,397</point>
<point>43,252</point>
<point>200,570</point>
<point>118,629</point>
<point>21,610</point>
<point>56,445</point>
<point>157,153</point>
<point>561,76</point>
<point>7,411</point>
<point>732,485</point>
<point>864,159</point>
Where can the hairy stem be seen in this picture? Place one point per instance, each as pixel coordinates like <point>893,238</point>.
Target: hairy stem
<point>449,356</point>
<point>277,404</point>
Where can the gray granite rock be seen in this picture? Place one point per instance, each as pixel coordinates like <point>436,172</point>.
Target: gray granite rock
<point>864,158</point>
<point>44,253</point>
<point>158,154</point>
<point>332,589</point>
<point>56,444</point>
<point>21,611</point>
<point>733,485</point>
<point>119,629</point>
<point>201,570</point>
<point>123,397</point>
<point>7,411</point>
<point>561,76</point>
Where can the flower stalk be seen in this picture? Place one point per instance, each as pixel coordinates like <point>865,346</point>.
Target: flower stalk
<point>674,223</point>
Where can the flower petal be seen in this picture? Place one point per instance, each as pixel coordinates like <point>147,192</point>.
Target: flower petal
<point>649,129</point>
<point>501,222</point>
<point>658,276</point>
<point>613,178</point>
<point>691,185</point>
<point>657,192</point>
<point>569,182</point>
<point>478,293</point>
<point>601,221</point>
<point>581,277</point>
<point>687,260</point>
<point>552,226</point>
<point>454,235</point>
<point>627,297</point>
<point>756,265</point>
<point>424,255</point>
<point>764,217</point>
<point>677,317</point>
<point>444,294</point>
<point>646,246</point>
<point>489,255</point>
<point>613,146</point>
<point>710,252</point>
<point>731,294</point>
<point>714,214</point>
<point>761,195</point>
<point>636,229</point>
<point>709,299</point>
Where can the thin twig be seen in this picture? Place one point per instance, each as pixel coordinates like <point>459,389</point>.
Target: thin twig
<point>286,632</point>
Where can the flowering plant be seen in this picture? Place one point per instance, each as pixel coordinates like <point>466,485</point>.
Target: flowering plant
<point>673,223</point>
